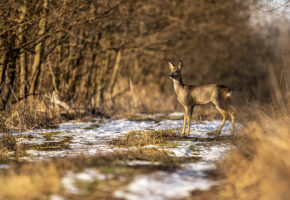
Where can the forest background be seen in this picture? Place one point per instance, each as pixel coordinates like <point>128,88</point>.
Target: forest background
<point>66,58</point>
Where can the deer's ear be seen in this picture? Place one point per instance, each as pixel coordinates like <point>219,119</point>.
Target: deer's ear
<point>180,65</point>
<point>171,66</point>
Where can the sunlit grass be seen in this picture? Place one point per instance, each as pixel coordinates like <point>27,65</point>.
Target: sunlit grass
<point>260,167</point>
<point>147,137</point>
<point>30,182</point>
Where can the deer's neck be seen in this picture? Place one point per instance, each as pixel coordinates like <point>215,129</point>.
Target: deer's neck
<point>178,85</point>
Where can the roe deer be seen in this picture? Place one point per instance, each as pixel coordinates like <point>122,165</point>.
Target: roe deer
<point>193,95</point>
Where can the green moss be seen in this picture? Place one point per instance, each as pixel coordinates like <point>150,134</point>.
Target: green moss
<point>193,148</point>
<point>170,144</point>
<point>52,133</point>
<point>50,146</point>
<point>49,135</point>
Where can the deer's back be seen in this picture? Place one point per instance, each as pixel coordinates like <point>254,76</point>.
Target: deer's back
<point>203,94</point>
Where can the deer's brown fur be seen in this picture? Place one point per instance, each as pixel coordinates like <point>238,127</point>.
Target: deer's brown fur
<point>193,95</point>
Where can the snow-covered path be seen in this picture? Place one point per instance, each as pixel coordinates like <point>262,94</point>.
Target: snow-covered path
<point>93,137</point>
<point>89,139</point>
<point>177,184</point>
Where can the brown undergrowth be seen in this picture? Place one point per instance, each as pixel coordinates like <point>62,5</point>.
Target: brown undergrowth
<point>9,147</point>
<point>39,112</point>
<point>259,167</point>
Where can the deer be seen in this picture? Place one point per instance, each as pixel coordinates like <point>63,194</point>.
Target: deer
<point>190,96</point>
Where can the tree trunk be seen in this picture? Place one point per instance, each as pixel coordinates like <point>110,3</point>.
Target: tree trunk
<point>115,71</point>
<point>53,77</point>
<point>3,66</point>
<point>74,63</point>
<point>9,77</point>
<point>101,81</point>
<point>36,67</point>
<point>23,55</point>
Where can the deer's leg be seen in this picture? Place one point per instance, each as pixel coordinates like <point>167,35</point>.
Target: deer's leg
<point>189,113</point>
<point>232,116</point>
<point>224,114</point>
<point>184,121</point>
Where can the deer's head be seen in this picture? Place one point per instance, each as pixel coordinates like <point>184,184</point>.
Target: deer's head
<point>175,70</point>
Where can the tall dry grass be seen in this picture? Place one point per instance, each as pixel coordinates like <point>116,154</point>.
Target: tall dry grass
<point>259,166</point>
<point>32,182</point>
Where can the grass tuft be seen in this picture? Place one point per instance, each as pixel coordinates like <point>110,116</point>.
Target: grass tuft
<point>149,137</point>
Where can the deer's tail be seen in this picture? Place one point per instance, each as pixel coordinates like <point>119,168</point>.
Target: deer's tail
<point>226,92</point>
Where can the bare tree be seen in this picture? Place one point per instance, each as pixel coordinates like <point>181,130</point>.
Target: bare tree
<point>39,48</point>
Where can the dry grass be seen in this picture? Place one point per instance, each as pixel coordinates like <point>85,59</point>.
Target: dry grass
<point>260,167</point>
<point>40,112</point>
<point>36,181</point>
<point>9,144</point>
<point>161,137</point>
<point>148,137</point>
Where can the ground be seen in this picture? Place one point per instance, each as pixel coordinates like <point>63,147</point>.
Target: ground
<point>140,157</point>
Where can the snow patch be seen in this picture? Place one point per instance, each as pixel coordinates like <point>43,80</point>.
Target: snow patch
<point>4,166</point>
<point>56,197</point>
<point>140,162</point>
<point>88,175</point>
<point>89,139</point>
<point>163,185</point>
<point>176,114</point>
